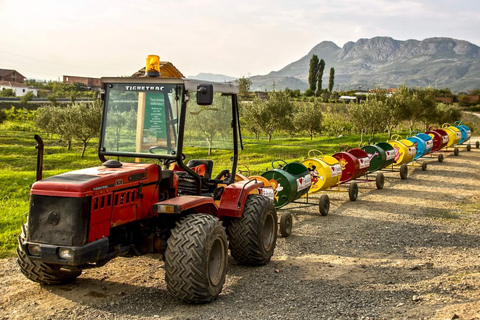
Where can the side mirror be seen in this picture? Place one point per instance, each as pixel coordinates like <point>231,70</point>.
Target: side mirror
<point>204,94</point>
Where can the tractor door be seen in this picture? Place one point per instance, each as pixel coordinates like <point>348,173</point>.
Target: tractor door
<point>210,141</point>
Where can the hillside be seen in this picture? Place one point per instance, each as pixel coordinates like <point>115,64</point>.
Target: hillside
<point>385,62</point>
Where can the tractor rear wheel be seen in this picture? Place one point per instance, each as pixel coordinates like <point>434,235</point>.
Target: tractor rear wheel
<point>43,273</point>
<point>253,237</point>
<point>469,147</point>
<point>440,158</point>
<point>196,259</point>
<point>456,151</point>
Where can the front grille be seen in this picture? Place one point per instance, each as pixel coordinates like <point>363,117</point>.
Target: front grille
<point>59,220</point>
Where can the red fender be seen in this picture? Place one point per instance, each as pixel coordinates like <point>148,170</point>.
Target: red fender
<point>234,197</point>
<point>179,204</point>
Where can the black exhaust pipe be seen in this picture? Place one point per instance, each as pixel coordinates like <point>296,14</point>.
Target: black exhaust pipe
<point>39,148</point>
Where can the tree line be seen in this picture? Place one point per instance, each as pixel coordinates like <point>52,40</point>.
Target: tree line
<point>278,114</point>
<point>380,112</point>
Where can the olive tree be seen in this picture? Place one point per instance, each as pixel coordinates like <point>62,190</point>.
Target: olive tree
<point>244,85</point>
<point>252,113</point>
<point>277,112</point>
<point>271,115</point>
<point>335,120</point>
<point>366,117</point>
<point>77,121</point>
<point>213,122</point>
<point>83,121</point>
<point>446,114</point>
<point>308,118</point>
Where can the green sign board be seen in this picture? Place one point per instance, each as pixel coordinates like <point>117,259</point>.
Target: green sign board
<point>154,126</point>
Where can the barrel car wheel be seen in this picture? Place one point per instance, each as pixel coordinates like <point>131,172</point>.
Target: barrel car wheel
<point>324,205</point>
<point>424,166</point>
<point>353,191</point>
<point>380,180</point>
<point>286,223</point>
<point>403,171</point>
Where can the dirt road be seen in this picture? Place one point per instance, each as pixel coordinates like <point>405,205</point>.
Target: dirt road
<point>409,251</point>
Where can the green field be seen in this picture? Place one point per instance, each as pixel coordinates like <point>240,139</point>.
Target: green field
<point>18,164</point>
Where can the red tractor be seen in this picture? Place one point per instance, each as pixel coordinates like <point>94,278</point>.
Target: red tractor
<point>85,218</point>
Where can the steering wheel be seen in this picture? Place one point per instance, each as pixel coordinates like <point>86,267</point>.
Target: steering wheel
<point>344,147</point>
<point>278,162</point>
<point>244,166</point>
<point>152,148</point>
<point>396,137</point>
<point>315,154</point>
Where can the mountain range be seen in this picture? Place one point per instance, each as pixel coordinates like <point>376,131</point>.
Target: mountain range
<point>384,62</point>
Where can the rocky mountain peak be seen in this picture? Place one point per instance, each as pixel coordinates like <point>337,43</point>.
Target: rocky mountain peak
<point>386,62</point>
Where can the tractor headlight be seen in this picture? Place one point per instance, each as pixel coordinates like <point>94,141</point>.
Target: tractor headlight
<point>34,249</point>
<point>65,253</point>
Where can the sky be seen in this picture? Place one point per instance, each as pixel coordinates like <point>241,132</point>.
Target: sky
<point>95,38</point>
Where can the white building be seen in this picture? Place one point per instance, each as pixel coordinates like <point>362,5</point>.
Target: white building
<point>19,88</point>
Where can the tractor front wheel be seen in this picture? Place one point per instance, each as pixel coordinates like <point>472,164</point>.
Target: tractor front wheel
<point>196,259</point>
<point>253,237</point>
<point>43,273</point>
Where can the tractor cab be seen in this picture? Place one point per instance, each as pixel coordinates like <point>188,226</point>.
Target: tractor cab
<point>167,119</point>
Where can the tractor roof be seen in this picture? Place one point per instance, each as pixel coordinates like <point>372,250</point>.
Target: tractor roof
<point>190,84</point>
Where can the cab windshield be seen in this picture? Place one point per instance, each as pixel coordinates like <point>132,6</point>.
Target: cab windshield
<point>209,127</point>
<point>141,119</point>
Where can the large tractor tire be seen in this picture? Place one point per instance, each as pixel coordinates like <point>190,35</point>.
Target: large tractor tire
<point>253,237</point>
<point>43,273</point>
<point>196,259</point>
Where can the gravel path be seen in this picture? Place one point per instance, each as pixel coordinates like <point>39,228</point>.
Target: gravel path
<point>409,251</point>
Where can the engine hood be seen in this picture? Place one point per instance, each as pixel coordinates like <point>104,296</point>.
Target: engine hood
<point>89,181</point>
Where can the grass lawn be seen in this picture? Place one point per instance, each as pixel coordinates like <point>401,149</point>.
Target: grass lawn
<point>18,164</point>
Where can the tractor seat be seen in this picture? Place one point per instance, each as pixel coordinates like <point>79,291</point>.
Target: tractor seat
<point>187,184</point>
<point>204,167</point>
